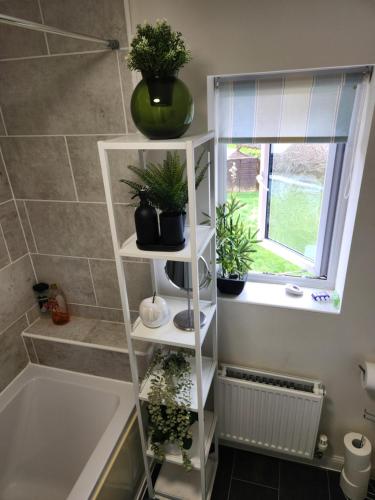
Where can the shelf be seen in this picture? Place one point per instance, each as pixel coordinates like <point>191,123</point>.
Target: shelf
<point>204,235</point>
<point>208,371</point>
<point>209,429</point>
<point>85,332</point>
<point>170,335</point>
<point>175,482</point>
<point>139,141</point>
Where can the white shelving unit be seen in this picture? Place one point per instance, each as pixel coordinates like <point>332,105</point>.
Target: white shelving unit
<point>173,481</point>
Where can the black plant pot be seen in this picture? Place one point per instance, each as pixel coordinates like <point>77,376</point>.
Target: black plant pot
<point>171,228</point>
<point>230,286</point>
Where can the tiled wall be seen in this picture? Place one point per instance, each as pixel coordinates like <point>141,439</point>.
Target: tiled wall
<point>58,96</point>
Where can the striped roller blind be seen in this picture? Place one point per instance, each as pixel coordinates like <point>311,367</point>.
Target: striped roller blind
<point>290,108</point>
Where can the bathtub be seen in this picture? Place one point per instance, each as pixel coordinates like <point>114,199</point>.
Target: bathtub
<point>58,430</point>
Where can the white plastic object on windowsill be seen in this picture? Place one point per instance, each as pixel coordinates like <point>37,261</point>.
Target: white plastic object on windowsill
<point>293,290</point>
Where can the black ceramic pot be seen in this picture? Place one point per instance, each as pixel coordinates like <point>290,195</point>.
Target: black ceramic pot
<point>171,228</point>
<point>230,286</point>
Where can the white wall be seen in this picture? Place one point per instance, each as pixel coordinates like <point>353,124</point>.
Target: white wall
<point>248,36</point>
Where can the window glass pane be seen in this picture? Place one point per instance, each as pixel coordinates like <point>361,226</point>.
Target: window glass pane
<point>296,183</point>
<point>289,211</point>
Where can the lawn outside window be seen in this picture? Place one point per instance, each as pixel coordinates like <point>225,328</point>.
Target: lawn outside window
<point>286,148</point>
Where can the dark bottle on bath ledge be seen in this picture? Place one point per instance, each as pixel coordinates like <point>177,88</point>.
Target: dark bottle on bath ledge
<point>58,306</point>
<point>146,221</point>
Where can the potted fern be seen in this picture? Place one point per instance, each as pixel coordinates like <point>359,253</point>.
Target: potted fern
<point>161,104</point>
<point>167,189</point>
<point>235,246</point>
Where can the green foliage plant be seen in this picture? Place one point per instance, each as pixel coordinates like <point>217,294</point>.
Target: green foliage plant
<point>169,401</point>
<point>157,50</point>
<point>235,243</point>
<point>166,183</point>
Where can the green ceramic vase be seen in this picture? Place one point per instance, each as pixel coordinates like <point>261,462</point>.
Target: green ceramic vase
<point>162,107</point>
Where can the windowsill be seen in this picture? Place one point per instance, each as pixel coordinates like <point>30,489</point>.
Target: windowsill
<point>274,295</point>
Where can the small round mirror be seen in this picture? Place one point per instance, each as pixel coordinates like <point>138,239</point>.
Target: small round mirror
<point>179,275</point>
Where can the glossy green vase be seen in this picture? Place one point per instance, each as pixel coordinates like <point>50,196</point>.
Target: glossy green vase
<point>162,107</point>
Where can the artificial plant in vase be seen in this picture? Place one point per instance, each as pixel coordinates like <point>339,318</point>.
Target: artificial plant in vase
<point>167,189</point>
<point>161,104</point>
<point>235,246</point>
<point>168,404</point>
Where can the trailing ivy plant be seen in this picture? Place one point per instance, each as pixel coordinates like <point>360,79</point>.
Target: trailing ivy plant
<point>166,183</point>
<point>235,244</point>
<point>169,401</point>
<point>157,50</point>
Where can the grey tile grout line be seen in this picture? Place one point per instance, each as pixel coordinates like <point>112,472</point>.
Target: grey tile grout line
<point>99,307</point>
<point>122,93</point>
<point>255,483</point>
<point>39,200</point>
<point>17,319</point>
<point>34,349</point>
<point>62,54</point>
<point>3,121</point>
<point>92,281</point>
<point>106,259</point>
<point>6,246</point>
<point>45,34</point>
<point>31,227</point>
<point>27,254</point>
<point>5,202</point>
<point>71,169</point>
<point>114,134</point>
<point>231,474</point>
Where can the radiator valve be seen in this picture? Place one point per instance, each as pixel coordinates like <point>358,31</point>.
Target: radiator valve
<point>322,446</point>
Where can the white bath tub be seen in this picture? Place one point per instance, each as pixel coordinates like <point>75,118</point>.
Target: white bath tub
<point>57,431</point>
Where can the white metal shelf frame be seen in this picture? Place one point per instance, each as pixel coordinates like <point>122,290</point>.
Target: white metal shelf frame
<point>187,144</point>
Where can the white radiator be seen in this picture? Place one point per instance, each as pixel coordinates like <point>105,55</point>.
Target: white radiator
<point>269,410</point>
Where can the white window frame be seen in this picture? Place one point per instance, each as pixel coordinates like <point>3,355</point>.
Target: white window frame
<point>349,169</point>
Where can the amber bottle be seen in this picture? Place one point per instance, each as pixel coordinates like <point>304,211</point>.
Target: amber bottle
<point>58,306</point>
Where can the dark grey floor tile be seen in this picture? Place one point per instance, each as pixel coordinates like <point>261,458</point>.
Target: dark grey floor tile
<point>302,482</point>
<point>241,490</point>
<point>223,474</point>
<point>334,486</point>
<point>256,468</point>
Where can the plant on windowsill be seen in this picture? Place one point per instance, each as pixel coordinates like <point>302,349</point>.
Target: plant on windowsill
<point>161,104</point>
<point>235,246</point>
<point>166,186</point>
<point>168,405</point>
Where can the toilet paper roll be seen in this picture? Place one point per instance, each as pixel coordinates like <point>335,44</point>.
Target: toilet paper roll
<point>356,458</point>
<point>358,477</point>
<point>368,376</point>
<point>352,491</point>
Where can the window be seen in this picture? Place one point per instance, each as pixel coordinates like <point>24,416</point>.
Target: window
<point>282,153</point>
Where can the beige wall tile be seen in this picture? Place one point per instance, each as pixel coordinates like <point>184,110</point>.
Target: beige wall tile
<point>30,349</point>
<point>138,276</point>
<point>139,284</point>
<point>4,256</point>
<point>87,171</point>
<point>104,313</point>
<point>83,359</point>
<point>26,225</point>
<point>74,94</point>
<point>33,314</point>
<point>18,42</point>
<point>71,274</point>
<point>2,128</point>
<point>5,192</point>
<point>16,292</point>
<point>100,18</point>
<point>77,229</point>
<point>38,167</point>
<point>13,357</point>
<point>12,230</point>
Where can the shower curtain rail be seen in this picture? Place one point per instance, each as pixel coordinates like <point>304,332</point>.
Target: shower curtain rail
<point>31,25</point>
